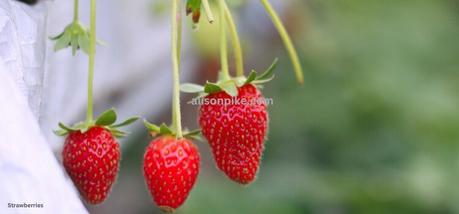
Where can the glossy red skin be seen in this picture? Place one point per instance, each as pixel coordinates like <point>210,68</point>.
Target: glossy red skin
<point>170,168</point>
<point>92,161</point>
<point>236,132</point>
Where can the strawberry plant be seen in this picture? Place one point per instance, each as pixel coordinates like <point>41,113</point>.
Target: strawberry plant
<point>91,154</point>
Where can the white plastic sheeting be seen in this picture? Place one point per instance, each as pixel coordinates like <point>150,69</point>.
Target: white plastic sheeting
<point>29,172</point>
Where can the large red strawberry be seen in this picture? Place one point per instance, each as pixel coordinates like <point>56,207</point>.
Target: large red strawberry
<point>91,155</point>
<point>170,168</point>
<point>92,160</point>
<point>236,129</point>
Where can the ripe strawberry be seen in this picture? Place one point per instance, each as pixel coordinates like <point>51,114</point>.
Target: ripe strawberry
<point>236,132</point>
<point>92,160</point>
<point>170,168</point>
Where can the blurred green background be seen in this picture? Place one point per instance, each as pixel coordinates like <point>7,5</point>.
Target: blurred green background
<point>374,129</point>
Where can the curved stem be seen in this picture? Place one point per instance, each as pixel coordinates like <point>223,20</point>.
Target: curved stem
<point>92,50</point>
<point>236,42</point>
<point>209,14</point>
<point>176,43</point>
<point>75,11</point>
<point>223,42</point>
<point>287,41</point>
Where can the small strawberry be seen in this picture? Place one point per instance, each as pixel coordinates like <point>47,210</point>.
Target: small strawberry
<point>92,160</point>
<point>234,119</point>
<point>91,155</point>
<point>170,168</point>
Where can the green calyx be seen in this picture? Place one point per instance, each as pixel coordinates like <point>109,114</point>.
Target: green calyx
<point>75,35</point>
<point>230,86</point>
<point>107,120</point>
<point>165,130</point>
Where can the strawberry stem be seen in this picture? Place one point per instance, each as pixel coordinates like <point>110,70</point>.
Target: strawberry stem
<point>236,42</point>
<point>223,42</point>
<point>176,46</point>
<point>209,14</point>
<point>286,38</point>
<point>92,50</point>
<point>75,11</point>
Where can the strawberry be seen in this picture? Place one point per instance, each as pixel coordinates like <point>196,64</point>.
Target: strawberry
<point>91,155</point>
<point>170,168</point>
<point>233,118</point>
<point>92,160</point>
<point>236,132</point>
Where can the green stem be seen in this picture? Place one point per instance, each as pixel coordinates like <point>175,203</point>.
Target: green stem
<point>286,38</point>
<point>210,15</point>
<point>176,44</point>
<point>223,42</point>
<point>75,11</point>
<point>92,50</point>
<point>236,42</point>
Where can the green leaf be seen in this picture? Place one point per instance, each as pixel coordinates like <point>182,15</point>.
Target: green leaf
<point>194,7</point>
<point>191,88</point>
<point>268,73</point>
<point>230,88</point>
<point>251,78</point>
<point>211,88</point>
<point>151,127</point>
<point>126,122</point>
<point>165,130</point>
<point>107,118</point>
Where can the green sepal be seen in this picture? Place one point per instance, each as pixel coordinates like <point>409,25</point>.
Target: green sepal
<point>229,87</point>
<point>67,128</point>
<point>252,76</point>
<point>107,118</point>
<point>193,7</point>
<point>60,132</point>
<point>269,72</point>
<point>194,134</point>
<point>164,130</point>
<point>151,127</point>
<point>117,133</point>
<point>75,35</point>
<point>191,88</point>
<point>126,122</point>
<point>154,130</point>
<point>211,88</point>
<point>264,77</point>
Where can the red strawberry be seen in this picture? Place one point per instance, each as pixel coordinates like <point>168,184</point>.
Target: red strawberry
<point>92,161</point>
<point>170,168</point>
<point>236,132</point>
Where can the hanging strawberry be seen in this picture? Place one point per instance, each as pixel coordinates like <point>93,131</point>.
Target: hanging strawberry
<point>91,154</point>
<point>233,114</point>
<point>171,162</point>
